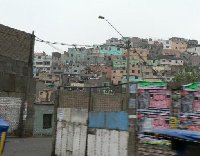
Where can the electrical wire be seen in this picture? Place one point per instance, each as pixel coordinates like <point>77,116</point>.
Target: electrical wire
<point>63,44</point>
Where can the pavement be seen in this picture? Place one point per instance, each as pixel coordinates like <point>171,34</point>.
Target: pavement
<point>28,146</point>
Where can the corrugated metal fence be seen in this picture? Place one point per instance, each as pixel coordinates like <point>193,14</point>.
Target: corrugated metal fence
<point>106,134</point>
<point>71,132</point>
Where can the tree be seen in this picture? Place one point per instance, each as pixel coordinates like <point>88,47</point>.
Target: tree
<point>184,77</point>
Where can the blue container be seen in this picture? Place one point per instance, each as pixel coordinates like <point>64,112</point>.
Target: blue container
<point>109,120</point>
<point>3,126</point>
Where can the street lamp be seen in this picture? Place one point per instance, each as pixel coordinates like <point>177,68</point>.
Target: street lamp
<point>132,136</point>
<point>127,47</point>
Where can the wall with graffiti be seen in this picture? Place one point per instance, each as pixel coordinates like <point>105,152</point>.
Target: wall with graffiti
<point>190,107</point>
<point>154,104</point>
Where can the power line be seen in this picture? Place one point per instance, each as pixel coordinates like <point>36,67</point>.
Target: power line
<point>63,44</point>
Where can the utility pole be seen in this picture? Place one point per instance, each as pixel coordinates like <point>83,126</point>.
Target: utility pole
<point>127,73</point>
<point>132,148</point>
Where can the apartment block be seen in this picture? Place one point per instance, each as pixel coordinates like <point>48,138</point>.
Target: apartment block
<point>41,63</point>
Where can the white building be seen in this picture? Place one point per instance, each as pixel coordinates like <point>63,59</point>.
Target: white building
<point>166,44</point>
<point>195,50</point>
<point>170,60</point>
<point>42,63</point>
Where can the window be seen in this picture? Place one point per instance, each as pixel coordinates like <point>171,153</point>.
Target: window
<point>41,93</point>
<point>136,77</point>
<point>47,121</point>
<point>114,71</point>
<point>110,48</point>
<point>39,57</point>
<point>170,60</point>
<point>48,82</point>
<point>39,63</point>
<point>138,71</point>
<point>118,49</point>
<point>50,76</point>
<point>75,71</point>
<point>113,77</point>
<point>72,55</point>
<point>133,71</point>
<point>167,46</point>
<point>167,42</point>
<point>119,82</point>
<point>47,63</point>
<point>121,71</point>
<point>147,73</point>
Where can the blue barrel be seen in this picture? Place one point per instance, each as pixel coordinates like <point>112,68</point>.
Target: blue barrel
<point>3,130</point>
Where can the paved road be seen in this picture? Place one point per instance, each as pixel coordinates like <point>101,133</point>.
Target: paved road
<point>28,147</point>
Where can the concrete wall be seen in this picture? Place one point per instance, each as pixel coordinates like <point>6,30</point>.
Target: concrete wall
<point>10,111</point>
<point>16,54</point>
<point>39,111</point>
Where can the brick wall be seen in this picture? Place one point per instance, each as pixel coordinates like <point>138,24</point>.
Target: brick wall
<point>97,102</point>
<point>16,49</point>
<point>108,102</point>
<point>15,44</point>
<point>73,100</point>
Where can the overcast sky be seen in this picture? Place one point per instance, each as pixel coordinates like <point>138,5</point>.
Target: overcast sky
<point>75,21</point>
